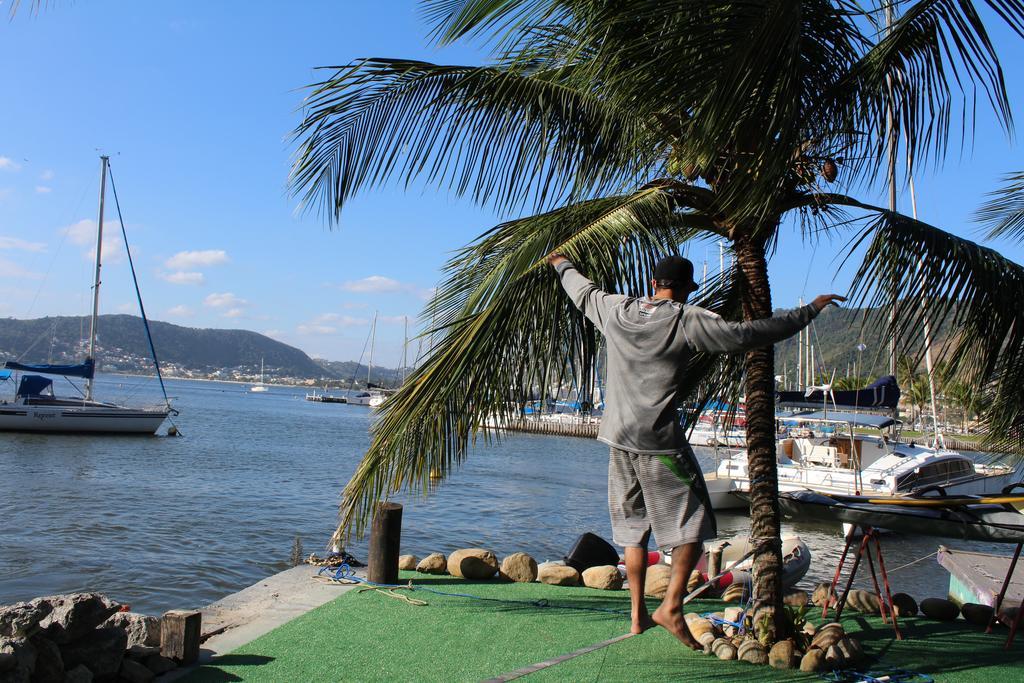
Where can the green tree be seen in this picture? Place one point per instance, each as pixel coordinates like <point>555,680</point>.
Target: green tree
<point>615,131</point>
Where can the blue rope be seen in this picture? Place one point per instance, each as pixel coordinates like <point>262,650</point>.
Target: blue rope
<point>138,294</point>
<point>877,676</point>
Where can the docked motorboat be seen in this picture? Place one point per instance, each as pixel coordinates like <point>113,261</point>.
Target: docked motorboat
<point>372,398</point>
<point>836,457</point>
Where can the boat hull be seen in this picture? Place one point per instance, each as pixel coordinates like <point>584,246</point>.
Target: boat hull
<point>80,420</point>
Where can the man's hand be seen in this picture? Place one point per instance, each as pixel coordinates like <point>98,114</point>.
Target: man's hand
<point>825,299</point>
<point>554,258</point>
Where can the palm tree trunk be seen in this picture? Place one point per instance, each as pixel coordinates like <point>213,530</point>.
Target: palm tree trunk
<point>765,522</point>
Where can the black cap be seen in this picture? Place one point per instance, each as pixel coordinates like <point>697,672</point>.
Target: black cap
<point>676,269</point>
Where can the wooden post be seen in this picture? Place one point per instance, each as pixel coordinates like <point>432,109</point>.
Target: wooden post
<point>385,539</point>
<point>179,635</point>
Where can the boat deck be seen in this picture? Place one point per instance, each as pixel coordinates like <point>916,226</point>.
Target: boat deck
<point>977,577</point>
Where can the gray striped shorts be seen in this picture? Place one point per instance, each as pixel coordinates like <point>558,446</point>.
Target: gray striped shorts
<point>663,493</point>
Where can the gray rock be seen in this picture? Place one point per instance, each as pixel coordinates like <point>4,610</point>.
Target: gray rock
<point>605,577</point>
<point>976,614</point>
<point>159,664</point>
<point>49,664</point>
<point>823,593</point>
<point>80,674</point>
<point>796,598</point>
<point>24,656</point>
<point>656,581</point>
<point>141,629</point>
<point>142,652</point>
<point>408,562</point>
<point>904,605</point>
<point>73,616</point>
<point>101,651</point>
<point>519,567</point>
<point>434,563</point>
<point>782,654</point>
<point>473,563</point>
<point>827,635</point>
<point>752,652</point>
<point>134,672</point>
<point>22,619</point>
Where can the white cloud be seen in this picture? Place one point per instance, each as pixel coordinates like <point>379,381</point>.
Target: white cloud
<point>350,305</point>
<point>234,313</point>
<point>84,233</point>
<point>23,245</point>
<point>8,164</point>
<point>183,278</point>
<point>42,189</point>
<point>272,333</point>
<point>343,320</point>
<point>316,329</point>
<point>397,319</point>
<point>374,284</point>
<point>185,260</point>
<point>224,300</point>
<point>180,311</point>
<point>10,269</point>
<point>48,174</point>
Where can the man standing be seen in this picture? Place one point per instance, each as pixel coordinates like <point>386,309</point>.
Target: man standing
<point>654,480</point>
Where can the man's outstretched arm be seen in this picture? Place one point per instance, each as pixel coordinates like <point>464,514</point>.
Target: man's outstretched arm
<point>708,332</point>
<point>594,303</point>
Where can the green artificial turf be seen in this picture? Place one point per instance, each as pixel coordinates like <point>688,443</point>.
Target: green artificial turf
<point>369,636</point>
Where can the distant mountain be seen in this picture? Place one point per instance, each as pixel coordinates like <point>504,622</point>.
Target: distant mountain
<point>348,370</point>
<point>121,339</point>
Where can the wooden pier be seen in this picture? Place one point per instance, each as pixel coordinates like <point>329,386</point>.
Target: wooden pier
<point>585,428</point>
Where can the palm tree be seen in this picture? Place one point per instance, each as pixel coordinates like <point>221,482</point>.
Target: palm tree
<point>614,132</point>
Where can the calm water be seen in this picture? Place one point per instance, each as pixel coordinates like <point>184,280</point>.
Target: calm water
<point>167,523</point>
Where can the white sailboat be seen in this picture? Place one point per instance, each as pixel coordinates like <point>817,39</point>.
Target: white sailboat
<point>373,396</point>
<point>36,408</point>
<point>261,387</point>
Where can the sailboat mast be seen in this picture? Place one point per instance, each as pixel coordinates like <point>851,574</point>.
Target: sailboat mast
<point>373,333</point>
<point>405,347</point>
<point>890,125</point>
<point>104,160</point>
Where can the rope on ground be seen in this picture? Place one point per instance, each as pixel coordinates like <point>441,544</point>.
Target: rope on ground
<point>527,670</point>
<point>876,676</point>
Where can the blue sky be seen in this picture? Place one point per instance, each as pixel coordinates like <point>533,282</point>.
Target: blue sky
<point>194,102</point>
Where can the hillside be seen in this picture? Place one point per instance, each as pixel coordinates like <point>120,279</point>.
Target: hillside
<point>182,350</point>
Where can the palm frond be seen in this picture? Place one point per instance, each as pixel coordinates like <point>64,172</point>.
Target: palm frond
<point>944,279</point>
<point>507,331</point>
<point>1003,213</point>
<point>499,135</point>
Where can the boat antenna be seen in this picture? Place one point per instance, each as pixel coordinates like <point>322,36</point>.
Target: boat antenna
<point>104,163</point>
<point>138,292</point>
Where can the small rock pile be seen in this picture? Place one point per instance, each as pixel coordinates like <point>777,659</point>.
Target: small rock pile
<point>77,638</point>
<point>937,609</point>
<point>482,564</point>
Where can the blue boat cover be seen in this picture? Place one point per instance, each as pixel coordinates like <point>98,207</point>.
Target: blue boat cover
<point>855,419</point>
<point>86,369</point>
<point>5,374</point>
<point>884,392</point>
<point>34,385</point>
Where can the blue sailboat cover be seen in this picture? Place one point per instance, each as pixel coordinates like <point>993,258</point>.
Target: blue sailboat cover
<point>884,392</point>
<point>33,385</point>
<point>86,369</point>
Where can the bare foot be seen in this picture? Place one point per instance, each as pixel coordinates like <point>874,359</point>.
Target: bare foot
<point>641,623</point>
<point>673,622</point>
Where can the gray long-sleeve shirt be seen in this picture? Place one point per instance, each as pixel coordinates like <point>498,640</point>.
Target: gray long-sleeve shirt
<point>649,343</point>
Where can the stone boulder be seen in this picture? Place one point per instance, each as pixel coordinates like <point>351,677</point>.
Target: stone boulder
<point>141,653</point>
<point>141,629</point>
<point>823,593</point>
<point>80,674</point>
<point>17,660</point>
<point>939,609</point>
<point>813,660</point>
<point>473,563</point>
<point>22,619</point>
<point>796,598</point>
<point>752,652</point>
<point>976,614</point>
<point>735,592</point>
<point>408,562</point>
<point>159,664</point>
<point>904,605</point>
<point>828,635</point>
<point>101,651</point>
<point>656,582</point>
<point>134,672</point>
<point>73,616</point>
<point>519,567</point>
<point>558,575</point>
<point>863,601</point>
<point>782,654</point>
<point>701,630</point>
<point>723,648</point>
<point>49,663</point>
<point>434,563</point>
<point>605,577</point>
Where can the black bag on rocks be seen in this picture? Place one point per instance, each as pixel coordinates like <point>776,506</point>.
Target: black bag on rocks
<point>590,550</point>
